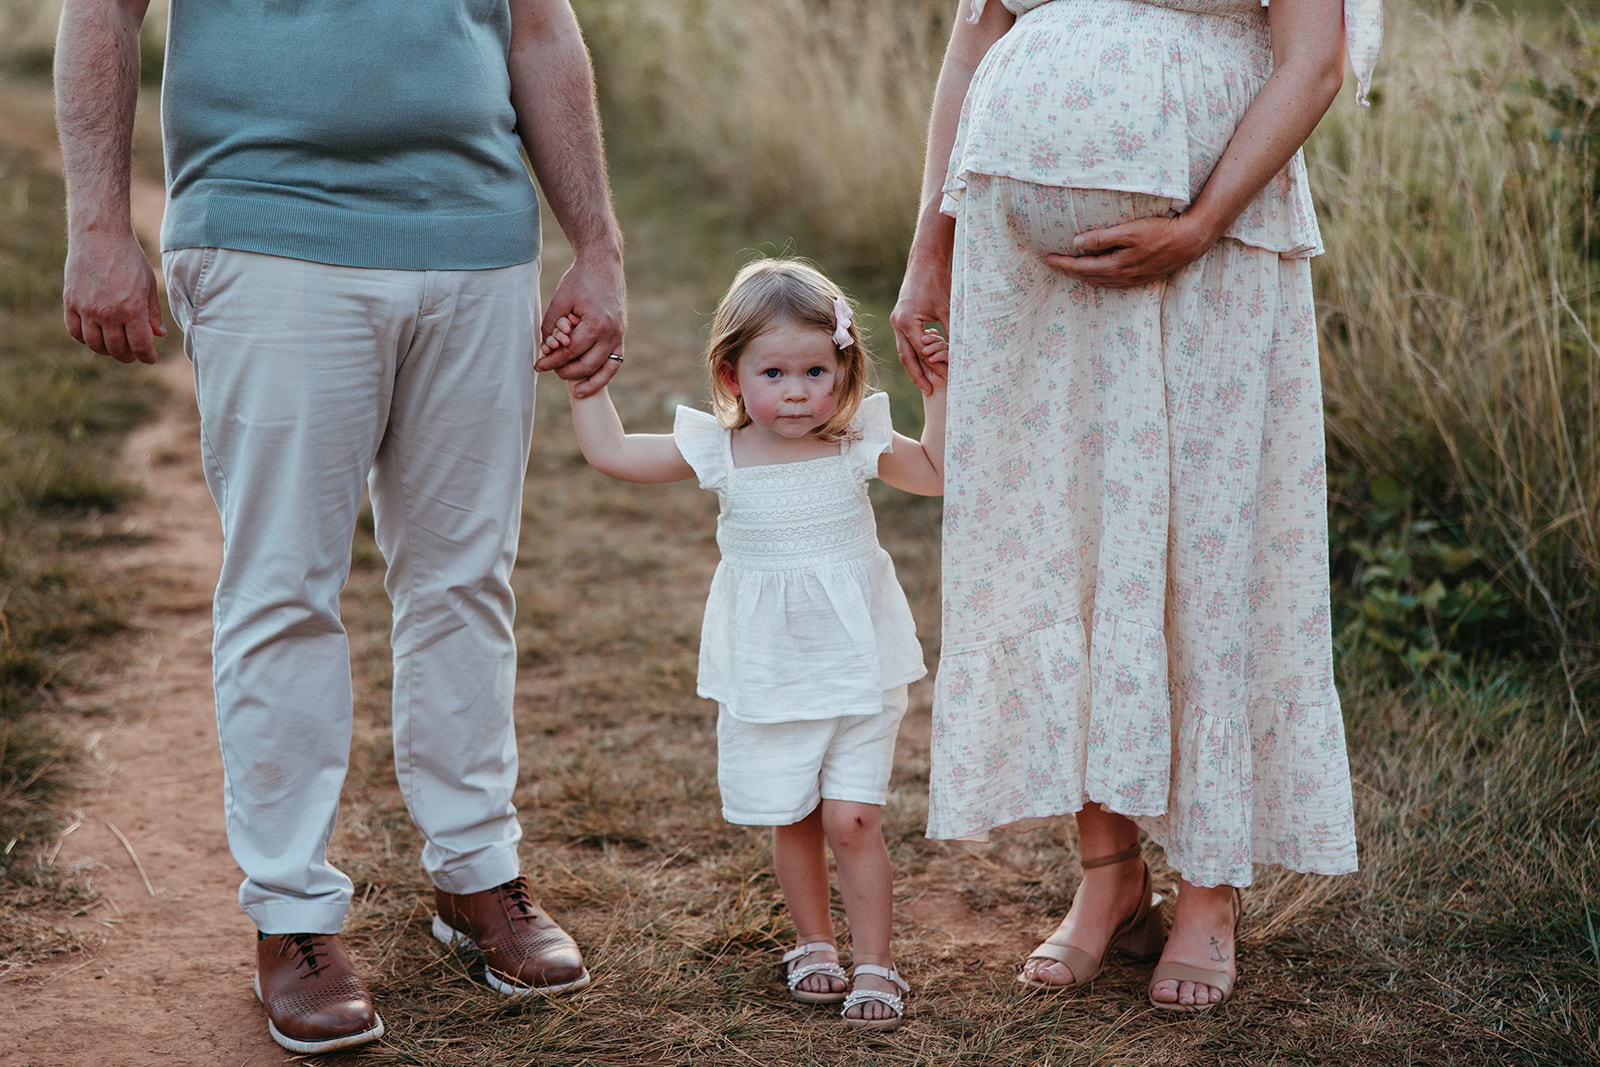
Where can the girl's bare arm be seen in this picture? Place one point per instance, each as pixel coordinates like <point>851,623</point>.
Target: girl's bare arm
<point>629,457</point>
<point>918,466</point>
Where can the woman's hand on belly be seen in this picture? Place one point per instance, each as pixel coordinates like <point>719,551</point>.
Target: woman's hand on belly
<point>1133,253</point>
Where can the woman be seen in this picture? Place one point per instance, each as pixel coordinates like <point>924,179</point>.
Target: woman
<point>1115,226</point>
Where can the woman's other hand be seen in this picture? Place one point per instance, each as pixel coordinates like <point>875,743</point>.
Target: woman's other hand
<point>1134,253</point>
<point>1307,70</point>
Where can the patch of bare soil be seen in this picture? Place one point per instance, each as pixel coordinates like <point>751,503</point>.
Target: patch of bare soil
<point>170,982</point>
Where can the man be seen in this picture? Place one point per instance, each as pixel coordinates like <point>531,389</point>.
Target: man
<point>351,247</point>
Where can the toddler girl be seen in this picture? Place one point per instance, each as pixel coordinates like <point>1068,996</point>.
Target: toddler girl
<point>808,642</point>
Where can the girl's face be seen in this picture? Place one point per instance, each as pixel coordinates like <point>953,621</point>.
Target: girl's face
<point>786,378</point>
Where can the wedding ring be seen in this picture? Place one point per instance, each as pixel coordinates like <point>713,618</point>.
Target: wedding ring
<point>615,356</point>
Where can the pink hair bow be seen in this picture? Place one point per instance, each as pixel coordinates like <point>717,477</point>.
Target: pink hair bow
<point>841,323</point>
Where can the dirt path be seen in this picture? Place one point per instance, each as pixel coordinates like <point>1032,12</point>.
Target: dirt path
<point>171,983</point>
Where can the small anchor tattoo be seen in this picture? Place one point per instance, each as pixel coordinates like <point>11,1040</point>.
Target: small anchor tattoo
<point>1216,951</point>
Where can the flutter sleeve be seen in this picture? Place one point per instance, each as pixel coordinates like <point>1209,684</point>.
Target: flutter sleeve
<point>1363,37</point>
<point>704,445</point>
<point>877,435</point>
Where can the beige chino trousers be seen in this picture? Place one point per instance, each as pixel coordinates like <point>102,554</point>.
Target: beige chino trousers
<point>314,381</point>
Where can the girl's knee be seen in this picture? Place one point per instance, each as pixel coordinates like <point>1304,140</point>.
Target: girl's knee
<point>850,825</point>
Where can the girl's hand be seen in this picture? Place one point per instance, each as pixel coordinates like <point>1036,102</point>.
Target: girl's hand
<point>560,336</point>
<point>1134,253</point>
<point>934,353</point>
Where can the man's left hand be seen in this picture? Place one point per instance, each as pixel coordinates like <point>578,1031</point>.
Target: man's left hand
<point>592,298</point>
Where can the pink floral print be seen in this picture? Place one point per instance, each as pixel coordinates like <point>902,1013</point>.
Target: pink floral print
<point>1135,547</point>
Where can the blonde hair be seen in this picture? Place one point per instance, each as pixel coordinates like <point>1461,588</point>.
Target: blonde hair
<point>766,293</point>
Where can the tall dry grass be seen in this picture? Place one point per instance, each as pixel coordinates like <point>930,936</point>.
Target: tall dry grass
<point>1458,298</point>
<point>807,115</point>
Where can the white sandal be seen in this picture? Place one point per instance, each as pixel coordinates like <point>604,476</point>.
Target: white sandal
<point>860,996</point>
<point>795,975</point>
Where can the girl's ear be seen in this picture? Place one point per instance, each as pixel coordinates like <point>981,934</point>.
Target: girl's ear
<point>729,377</point>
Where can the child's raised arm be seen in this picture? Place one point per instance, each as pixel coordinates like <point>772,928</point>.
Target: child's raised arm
<point>918,466</point>
<point>631,457</point>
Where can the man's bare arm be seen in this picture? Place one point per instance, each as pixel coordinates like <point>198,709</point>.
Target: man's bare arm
<point>109,293</point>
<point>552,91</point>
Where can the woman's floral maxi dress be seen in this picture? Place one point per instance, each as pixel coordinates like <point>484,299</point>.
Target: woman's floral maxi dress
<point>1135,533</point>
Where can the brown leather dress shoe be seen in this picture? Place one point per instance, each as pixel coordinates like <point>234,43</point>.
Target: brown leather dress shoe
<point>314,1001</point>
<point>524,951</point>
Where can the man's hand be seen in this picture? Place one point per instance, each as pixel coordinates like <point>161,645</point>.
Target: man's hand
<point>109,297</point>
<point>584,326</point>
<point>109,293</point>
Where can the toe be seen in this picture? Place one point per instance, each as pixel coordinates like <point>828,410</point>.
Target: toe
<point>1048,971</point>
<point>1165,991</point>
<point>822,983</point>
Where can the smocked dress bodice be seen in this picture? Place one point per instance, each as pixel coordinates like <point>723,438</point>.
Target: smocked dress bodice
<point>1138,97</point>
<point>805,618</point>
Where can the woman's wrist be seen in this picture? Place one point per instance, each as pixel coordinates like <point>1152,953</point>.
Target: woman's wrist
<point>1200,229</point>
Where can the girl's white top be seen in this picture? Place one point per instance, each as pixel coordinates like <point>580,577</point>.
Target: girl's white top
<point>806,619</point>
<point>1140,97</point>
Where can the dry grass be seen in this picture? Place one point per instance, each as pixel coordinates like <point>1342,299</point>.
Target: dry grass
<point>63,413</point>
<point>1459,300</point>
<point>801,115</point>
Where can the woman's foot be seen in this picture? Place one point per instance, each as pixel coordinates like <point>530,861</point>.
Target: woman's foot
<point>1198,969</point>
<point>1113,891</point>
<point>813,973</point>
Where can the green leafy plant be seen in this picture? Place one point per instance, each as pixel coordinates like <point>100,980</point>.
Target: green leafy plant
<point>1413,589</point>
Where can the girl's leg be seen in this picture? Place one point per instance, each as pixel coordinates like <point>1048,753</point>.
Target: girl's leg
<point>1105,898</point>
<point>1202,936</point>
<point>866,882</point>
<point>801,863</point>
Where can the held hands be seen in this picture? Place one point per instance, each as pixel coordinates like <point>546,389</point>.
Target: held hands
<point>583,328</point>
<point>933,352</point>
<point>924,298</point>
<point>559,339</point>
<point>1134,253</point>
<point>109,299</point>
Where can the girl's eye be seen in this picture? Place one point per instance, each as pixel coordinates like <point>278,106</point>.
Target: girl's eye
<point>815,372</point>
<point>772,372</point>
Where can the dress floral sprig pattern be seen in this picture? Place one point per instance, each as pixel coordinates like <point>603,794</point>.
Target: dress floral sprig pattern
<point>1140,97</point>
<point>1135,536</point>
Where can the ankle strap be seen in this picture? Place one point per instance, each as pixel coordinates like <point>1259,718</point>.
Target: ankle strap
<point>888,974</point>
<point>807,949</point>
<point>1119,857</point>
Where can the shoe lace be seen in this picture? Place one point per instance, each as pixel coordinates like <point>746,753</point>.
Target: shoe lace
<point>519,902</point>
<point>307,947</point>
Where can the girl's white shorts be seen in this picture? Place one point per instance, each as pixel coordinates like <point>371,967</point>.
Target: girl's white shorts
<point>775,774</point>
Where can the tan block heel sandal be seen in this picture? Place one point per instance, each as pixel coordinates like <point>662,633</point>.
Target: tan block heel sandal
<point>1140,936</point>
